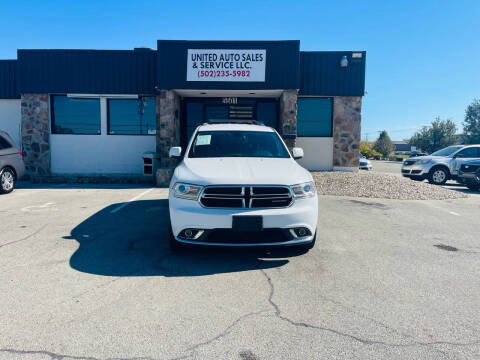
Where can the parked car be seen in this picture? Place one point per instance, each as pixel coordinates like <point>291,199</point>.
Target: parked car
<point>469,174</point>
<point>416,153</point>
<point>440,166</point>
<point>12,167</point>
<point>365,164</point>
<point>238,185</point>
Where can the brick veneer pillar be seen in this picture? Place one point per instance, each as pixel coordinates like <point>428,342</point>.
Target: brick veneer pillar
<point>35,134</point>
<point>168,133</point>
<point>288,117</point>
<point>347,114</point>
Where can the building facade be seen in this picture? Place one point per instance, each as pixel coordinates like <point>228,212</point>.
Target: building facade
<point>96,112</point>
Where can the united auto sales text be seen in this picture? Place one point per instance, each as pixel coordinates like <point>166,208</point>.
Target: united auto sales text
<point>225,61</point>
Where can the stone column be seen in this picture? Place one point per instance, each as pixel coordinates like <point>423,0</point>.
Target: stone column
<point>35,135</point>
<point>168,133</point>
<point>346,132</point>
<point>288,117</point>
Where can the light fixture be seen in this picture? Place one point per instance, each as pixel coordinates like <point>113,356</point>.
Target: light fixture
<point>344,61</point>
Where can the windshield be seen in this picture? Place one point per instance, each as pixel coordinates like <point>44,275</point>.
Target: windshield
<point>209,144</point>
<point>447,151</point>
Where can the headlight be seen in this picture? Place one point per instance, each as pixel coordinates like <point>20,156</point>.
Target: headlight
<point>186,191</point>
<point>304,190</point>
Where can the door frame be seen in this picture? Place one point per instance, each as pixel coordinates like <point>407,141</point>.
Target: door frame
<point>218,101</point>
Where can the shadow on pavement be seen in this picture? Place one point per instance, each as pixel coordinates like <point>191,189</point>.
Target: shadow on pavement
<point>455,186</point>
<point>134,242</point>
<point>22,184</point>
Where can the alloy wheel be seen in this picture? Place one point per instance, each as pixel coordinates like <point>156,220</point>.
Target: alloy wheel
<point>7,181</point>
<point>439,176</point>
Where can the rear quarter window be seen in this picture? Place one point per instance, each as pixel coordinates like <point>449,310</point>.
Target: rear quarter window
<point>4,144</point>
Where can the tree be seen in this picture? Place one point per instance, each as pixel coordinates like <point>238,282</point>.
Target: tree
<point>366,149</point>
<point>440,134</point>
<point>471,124</point>
<point>384,144</point>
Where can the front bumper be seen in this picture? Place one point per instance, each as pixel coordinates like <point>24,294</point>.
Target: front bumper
<point>469,177</point>
<point>186,214</point>
<point>415,170</point>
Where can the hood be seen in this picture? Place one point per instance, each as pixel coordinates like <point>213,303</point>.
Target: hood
<point>239,171</point>
<point>426,157</point>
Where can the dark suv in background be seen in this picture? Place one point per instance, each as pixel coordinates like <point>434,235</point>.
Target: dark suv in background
<point>469,174</point>
<point>12,167</point>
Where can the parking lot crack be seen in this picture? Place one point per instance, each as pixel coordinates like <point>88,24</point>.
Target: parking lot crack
<point>55,356</point>
<point>51,355</point>
<point>412,343</point>
<point>192,349</point>
<point>25,238</point>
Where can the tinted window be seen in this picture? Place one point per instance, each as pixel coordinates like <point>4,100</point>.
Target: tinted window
<point>194,117</point>
<point>209,144</point>
<point>447,151</point>
<point>468,153</point>
<point>4,144</point>
<point>75,116</point>
<point>131,116</point>
<point>314,117</point>
<point>267,113</point>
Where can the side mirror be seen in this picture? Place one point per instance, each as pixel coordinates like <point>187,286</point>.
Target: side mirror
<point>175,152</point>
<point>297,153</point>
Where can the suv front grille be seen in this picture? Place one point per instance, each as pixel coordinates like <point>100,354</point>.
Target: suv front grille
<point>246,197</point>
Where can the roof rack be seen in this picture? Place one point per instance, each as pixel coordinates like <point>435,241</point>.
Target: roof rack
<point>233,121</point>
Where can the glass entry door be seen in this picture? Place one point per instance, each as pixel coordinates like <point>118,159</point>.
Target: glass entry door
<point>196,111</point>
<point>216,112</point>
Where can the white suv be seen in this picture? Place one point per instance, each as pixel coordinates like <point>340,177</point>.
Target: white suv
<point>238,185</point>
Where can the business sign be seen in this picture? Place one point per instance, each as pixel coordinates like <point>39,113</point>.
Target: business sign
<point>226,65</point>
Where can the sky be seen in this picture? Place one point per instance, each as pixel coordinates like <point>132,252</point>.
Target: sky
<point>423,57</point>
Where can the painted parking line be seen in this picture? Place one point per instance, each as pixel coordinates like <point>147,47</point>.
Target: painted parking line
<point>46,206</point>
<point>445,210</point>
<point>125,204</point>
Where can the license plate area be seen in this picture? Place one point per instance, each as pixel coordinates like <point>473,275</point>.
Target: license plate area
<point>247,223</point>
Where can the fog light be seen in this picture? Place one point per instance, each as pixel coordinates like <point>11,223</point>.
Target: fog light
<point>190,234</point>
<point>300,232</point>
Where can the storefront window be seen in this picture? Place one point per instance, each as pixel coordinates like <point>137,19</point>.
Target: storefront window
<point>75,115</point>
<point>131,116</point>
<point>314,117</point>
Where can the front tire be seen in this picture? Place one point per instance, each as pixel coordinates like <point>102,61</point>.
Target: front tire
<point>438,176</point>
<point>7,181</point>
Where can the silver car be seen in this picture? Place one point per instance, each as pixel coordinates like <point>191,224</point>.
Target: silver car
<point>365,164</point>
<point>12,167</point>
<point>440,166</point>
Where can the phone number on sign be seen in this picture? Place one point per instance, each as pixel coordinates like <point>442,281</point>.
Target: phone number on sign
<point>223,73</point>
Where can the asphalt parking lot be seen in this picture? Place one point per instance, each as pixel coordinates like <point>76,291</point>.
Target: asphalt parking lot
<point>389,167</point>
<point>85,273</point>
